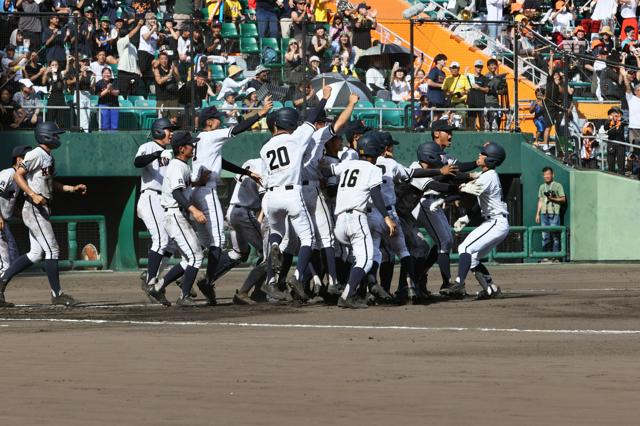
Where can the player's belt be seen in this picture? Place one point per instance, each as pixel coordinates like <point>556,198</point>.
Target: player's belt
<point>389,208</point>
<point>495,216</point>
<point>355,211</point>
<point>286,187</point>
<point>152,190</point>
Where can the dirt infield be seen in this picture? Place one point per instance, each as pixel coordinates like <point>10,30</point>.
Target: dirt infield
<point>561,348</point>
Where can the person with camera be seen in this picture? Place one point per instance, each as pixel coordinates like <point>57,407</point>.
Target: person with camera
<point>166,78</point>
<point>551,197</point>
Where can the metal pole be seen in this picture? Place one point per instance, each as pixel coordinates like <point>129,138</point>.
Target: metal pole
<point>413,72</point>
<point>192,112</point>
<point>77,70</point>
<point>516,66</point>
<point>565,102</point>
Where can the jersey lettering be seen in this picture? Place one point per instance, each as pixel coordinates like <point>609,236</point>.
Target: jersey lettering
<point>350,178</point>
<point>278,158</point>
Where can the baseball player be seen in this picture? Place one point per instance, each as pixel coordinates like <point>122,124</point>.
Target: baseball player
<point>153,158</point>
<point>176,201</point>
<point>354,130</point>
<point>360,182</point>
<point>9,192</point>
<point>282,159</point>
<point>35,178</point>
<point>207,166</point>
<point>493,230</point>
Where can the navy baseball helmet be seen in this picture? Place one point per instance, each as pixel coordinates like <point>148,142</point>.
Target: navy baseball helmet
<point>388,139</point>
<point>209,113</point>
<point>495,154</point>
<point>20,151</point>
<point>182,138</point>
<point>442,125</point>
<point>430,153</point>
<point>371,144</point>
<point>355,128</point>
<point>283,118</point>
<point>158,126</point>
<point>48,133</point>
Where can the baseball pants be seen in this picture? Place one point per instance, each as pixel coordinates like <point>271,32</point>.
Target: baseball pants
<point>151,212</point>
<point>392,244</point>
<point>211,234</point>
<point>42,241</point>
<point>180,230</point>
<point>245,231</point>
<point>283,203</point>
<point>352,229</point>
<point>484,238</point>
<point>413,238</point>
<point>5,252</point>
<point>435,223</point>
<point>322,221</point>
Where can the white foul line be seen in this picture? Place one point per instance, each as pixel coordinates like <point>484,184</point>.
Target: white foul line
<point>322,326</point>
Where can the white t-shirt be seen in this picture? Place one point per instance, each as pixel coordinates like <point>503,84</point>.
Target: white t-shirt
<point>605,9</point>
<point>490,200</point>
<point>208,155</point>
<point>374,78</point>
<point>40,167</point>
<point>97,68</point>
<point>184,45</point>
<point>150,45</point>
<point>8,192</point>
<point>628,10</point>
<point>128,54</point>
<point>247,192</point>
<point>177,176</point>
<point>355,180</point>
<point>562,22</point>
<point>282,156</point>
<point>399,90</point>
<point>153,173</point>
<point>634,111</point>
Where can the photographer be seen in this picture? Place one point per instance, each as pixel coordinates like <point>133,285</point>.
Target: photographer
<point>550,200</point>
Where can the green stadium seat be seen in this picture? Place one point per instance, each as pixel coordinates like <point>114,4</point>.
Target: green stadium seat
<point>369,116</point>
<point>393,115</point>
<point>205,13</point>
<point>128,119</point>
<point>229,30</point>
<point>277,105</point>
<point>248,30</point>
<point>146,117</point>
<point>270,42</point>
<point>289,104</point>
<point>217,72</point>
<point>135,99</point>
<point>249,45</point>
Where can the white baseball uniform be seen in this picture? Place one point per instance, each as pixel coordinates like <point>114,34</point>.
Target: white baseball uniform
<point>9,191</point>
<point>348,153</point>
<point>357,178</point>
<point>245,201</point>
<point>176,222</point>
<point>149,208</point>
<point>495,227</point>
<point>40,167</point>
<point>207,157</point>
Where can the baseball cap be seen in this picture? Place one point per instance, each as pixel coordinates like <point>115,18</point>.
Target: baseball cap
<point>20,151</point>
<point>250,90</point>
<point>149,15</point>
<point>182,138</point>
<point>261,69</point>
<point>454,64</point>
<point>202,73</point>
<point>478,63</point>
<point>105,19</point>
<point>26,82</point>
<point>88,9</point>
<point>363,5</point>
<point>10,47</point>
<point>210,112</point>
<point>442,125</point>
<point>314,58</point>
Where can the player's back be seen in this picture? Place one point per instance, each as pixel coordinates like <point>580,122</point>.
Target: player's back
<point>356,178</point>
<point>490,200</point>
<point>8,192</point>
<point>282,161</point>
<point>207,155</point>
<point>392,171</point>
<point>178,175</point>
<point>247,192</point>
<point>152,174</point>
<point>41,167</point>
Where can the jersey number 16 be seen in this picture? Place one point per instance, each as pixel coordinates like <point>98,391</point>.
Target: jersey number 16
<point>350,178</point>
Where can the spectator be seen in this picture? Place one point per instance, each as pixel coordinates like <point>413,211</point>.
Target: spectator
<point>33,70</point>
<point>293,60</point>
<point>30,25</point>
<point>128,70</point>
<point>608,40</point>
<point>200,86</point>
<point>166,78</point>
<point>319,42</point>
<point>300,17</point>
<point>497,85</point>
<point>53,79</point>
<point>9,111</point>
<point>284,9</point>
<point>495,10</point>
<point>615,132</point>
<point>149,38</point>
<point>363,22</point>
<point>551,197</point>
<point>628,9</point>
<point>230,110</point>
<point>604,11</point>
<point>456,87</point>
<point>233,11</point>
<point>29,103</point>
<point>589,151</point>
<point>337,28</point>
<point>305,98</point>
<point>22,48</point>
<point>477,97</point>
<point>321,11</point>
<point>106,37</point>
<point>98,65</point>
<point>54,38</point>
<point>400,88</point>
<point>313,69</point>
<point>562,19</point>
<point>107,91</point>
<point>374,78</point>
<point>261,77</point>
<point>422,113</point>
<point>251,103</point>
<point>232,82</point>
<point>216,44</point>
<point>344,49</point>
<point>86,35</point>
<point>184,48</point>
<point>632,95</point>
<point>611,84</point>
<point>541,120</point>
<point>11,62</point>
<point>109,8</point>
<point>435,79</point>
<point>86,83</point>
<point>267,18</point>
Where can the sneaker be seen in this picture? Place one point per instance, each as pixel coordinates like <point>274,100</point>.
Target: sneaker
<point>156,296</point>
<point>243,299</point>
<point>63,299</point>
<point>276,257</point>
<point>208,291</point>
<point>457,290</point>
<point>298,288</point>
<point>351,303</point>
<point>186,302</point>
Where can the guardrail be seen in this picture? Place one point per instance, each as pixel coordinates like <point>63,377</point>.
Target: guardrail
<point>73,261</point>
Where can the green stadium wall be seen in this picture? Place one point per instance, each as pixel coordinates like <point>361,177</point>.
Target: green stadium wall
<point>104,160</point>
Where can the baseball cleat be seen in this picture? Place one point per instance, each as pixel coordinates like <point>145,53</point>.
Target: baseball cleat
<point>186,302</point>
<point>192,292</point>
<point>457,290</point>
<point>412,295</point>
<point>380,293</point>
<point>156,296</point>
<point>298,288</point>
<point>334,289</point>
<point>445,288</point>
<point>492,292</point>
<point>351,303</point>
<point>276,257</point>
<point>243,299</point>
<point>272,293</point>
<point>64,300</point>
<point>3,302</point>
<point>208,291</point>
<point>143,281</point>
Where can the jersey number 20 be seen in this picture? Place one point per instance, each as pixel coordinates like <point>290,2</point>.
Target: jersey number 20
<point>278,158</point>
<point>350,179</point>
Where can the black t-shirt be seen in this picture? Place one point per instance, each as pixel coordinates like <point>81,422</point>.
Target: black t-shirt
<point>108,100</point>
<point>167,90</point>
<point>476,98</point>
<point>32,69</point>
<point>56,49</point>
<point>6,114</point>
<point>184,94</point>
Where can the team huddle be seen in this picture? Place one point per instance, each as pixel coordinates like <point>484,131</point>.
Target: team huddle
<point>346,212</point>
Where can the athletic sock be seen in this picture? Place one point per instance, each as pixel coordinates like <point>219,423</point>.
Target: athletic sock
<point>355,276</point>
<point>432,258</point>
<point>19,265</point>
<point>407,271</point>
<point>330,261</point>
<point>53,274</point>
<point>212,262</point>
<point>154,259</point>
<point>316,262</point>
<point>273,239</point>
<point>255,278</point>
<point>303,260</point>
<point>342,270</point>
<point>464,264</point>
<point>386,274</point>
<point>445,267</point>
<point>173,274</point>
<point>187,282</point>
<point>373,272</point>
<point>421,273</point>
